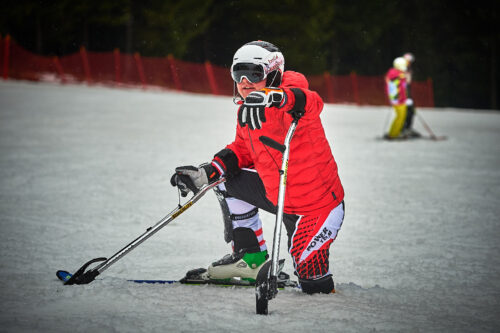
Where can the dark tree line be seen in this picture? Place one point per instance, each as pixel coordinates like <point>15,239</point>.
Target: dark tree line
<point>455,42</point>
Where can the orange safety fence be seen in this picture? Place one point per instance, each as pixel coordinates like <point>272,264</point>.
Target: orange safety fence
<point>119,69</point>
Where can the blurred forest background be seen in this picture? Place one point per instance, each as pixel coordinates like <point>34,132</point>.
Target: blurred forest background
<point>455,42</point>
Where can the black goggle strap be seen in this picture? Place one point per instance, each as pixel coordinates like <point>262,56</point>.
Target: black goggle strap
<point>271,83</point>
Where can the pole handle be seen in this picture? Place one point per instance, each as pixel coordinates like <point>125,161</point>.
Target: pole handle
<point>272,143</point>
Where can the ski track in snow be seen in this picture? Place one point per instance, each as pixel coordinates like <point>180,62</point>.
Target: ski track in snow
<point>85,170</point>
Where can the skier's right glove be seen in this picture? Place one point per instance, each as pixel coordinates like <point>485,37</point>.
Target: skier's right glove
<point>253,110</point>
<point>190,178</point>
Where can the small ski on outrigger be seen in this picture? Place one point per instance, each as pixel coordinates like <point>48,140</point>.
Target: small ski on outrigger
<point>85,275</point>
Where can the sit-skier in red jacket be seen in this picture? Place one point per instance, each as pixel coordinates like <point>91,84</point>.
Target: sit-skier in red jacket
<point>314,201</point>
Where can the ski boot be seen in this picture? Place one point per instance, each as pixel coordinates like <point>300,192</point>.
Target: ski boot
<point>243,265</point>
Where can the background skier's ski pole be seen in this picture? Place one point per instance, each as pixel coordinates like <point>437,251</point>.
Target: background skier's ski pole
<point>428,129</point>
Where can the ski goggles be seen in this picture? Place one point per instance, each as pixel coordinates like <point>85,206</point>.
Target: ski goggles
<point>252,72</point>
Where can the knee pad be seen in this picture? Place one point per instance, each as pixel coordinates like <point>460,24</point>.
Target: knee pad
<point>323,285</point>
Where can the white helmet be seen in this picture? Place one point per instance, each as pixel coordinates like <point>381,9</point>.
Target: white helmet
<point>257,61</point>
<point>400,63</point>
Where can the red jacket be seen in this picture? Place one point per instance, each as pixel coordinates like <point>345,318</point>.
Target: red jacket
<point>312,182</point>
<point>395,81</point>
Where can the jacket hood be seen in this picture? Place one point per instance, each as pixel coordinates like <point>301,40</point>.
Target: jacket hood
<point>294,79</point>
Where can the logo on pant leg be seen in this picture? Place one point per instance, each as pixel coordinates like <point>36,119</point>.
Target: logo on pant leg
<point>317,242</point>
<point>319,239</point>
<point>325,234</point>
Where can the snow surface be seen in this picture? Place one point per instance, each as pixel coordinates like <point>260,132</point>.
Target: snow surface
<point>85,170</point>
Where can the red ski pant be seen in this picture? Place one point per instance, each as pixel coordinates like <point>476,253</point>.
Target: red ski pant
<point>309,236</point>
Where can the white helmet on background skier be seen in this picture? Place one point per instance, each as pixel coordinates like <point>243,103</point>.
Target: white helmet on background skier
<point>256,61</point>
<point>400,63</point>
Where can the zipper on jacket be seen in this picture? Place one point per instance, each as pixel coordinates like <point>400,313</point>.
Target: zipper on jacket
<point>253,149</point>
<point>250,137</point>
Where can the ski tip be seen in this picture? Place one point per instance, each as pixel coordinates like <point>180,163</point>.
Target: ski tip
<point>63,275</point>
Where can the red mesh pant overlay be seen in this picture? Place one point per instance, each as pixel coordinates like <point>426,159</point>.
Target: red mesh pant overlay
<point>311,241</point>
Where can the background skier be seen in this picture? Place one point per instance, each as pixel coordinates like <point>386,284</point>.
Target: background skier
<point>396,81</point>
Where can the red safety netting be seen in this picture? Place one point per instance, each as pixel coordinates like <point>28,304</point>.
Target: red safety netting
<point>333,89</point>
<point>321,86</point>
<point>193,76</point>
<point>73,67</point>
<point>25,65</point>
<point>158,72</point>
<point>102,67</point>
<point>1,52</point>
<point>115,68</point>
<point>128,70</point>
<point>422,93</point>
<point>372,90</point>
<point>224,81</point>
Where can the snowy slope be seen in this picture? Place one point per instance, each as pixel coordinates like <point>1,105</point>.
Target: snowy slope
<point>85,170</point>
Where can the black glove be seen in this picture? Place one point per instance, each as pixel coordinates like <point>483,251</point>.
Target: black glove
<point>252,112</point>
<point>190,178</point>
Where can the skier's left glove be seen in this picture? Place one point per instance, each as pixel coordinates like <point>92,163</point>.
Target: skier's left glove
<point>253,113</point>
<point>190,178</point>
